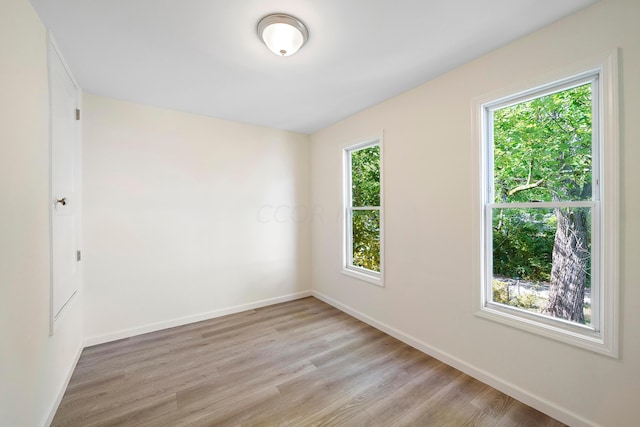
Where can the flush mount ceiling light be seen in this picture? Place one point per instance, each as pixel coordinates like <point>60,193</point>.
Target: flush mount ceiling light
<point>283,34</point>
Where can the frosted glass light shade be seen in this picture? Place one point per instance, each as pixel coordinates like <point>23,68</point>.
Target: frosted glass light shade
<point>283,34</point>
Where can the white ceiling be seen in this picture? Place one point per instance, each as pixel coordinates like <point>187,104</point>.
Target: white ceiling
<point>204,57</point>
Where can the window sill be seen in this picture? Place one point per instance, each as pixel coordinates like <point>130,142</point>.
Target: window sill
<point>364,275</point>
<point>575,335</point>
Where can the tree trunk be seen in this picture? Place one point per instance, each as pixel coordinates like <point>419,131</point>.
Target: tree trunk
<point>569,270</point>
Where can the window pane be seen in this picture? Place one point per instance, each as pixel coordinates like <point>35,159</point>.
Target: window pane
<point>365,177</point>
<point>542,261</point>
<point>366,239</point>
<point>542,148</point>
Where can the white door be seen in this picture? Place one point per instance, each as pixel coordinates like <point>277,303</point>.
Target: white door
<point>65,192</point>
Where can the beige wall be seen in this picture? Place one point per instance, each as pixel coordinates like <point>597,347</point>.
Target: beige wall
<point>34,367</point>
<point>186,217</point>
<point>429,193</point>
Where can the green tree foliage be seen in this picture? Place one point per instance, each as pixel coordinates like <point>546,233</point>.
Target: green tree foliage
<point>365,187</point>
<point>523,243</point>
<point>365,176</point>
<point>366,239</point>
<point>542,153</point>
<point>542,148</point>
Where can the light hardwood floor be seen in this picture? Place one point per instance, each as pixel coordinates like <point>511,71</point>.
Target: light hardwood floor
<point>298,363</point>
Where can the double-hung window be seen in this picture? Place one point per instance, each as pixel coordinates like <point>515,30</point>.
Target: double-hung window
<point>548,211</point>
<point>363,254</point>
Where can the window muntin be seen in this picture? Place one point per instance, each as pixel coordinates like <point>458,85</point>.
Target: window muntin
<point>542,206</point>
<point>363,212</point>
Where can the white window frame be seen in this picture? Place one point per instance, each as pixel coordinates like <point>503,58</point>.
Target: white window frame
<point>602,335</point>
<point>370,276</point>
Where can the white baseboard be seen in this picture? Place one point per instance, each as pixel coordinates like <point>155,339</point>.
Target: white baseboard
<point>54,408</point>
<point>541,404</point>
<point>126,333</point>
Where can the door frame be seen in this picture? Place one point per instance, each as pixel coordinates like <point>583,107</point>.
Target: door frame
<point>53,49</point>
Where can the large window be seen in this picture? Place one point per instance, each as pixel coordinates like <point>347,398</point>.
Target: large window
<point>548,232</point>
<point>363,211</point>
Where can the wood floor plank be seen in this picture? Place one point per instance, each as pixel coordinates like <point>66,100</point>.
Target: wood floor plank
<point>298,363</point>
<point>411,396</point>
